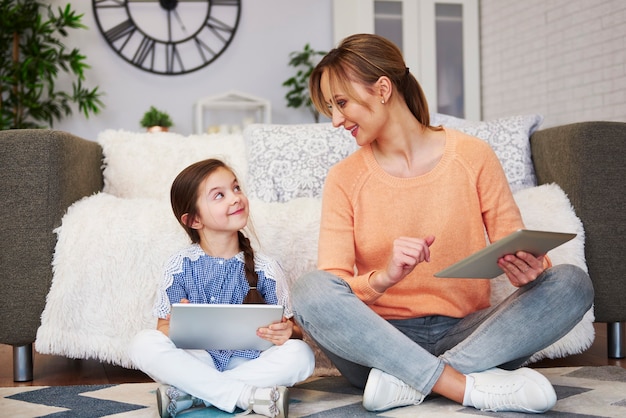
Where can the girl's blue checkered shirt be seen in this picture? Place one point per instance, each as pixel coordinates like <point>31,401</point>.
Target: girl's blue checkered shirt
<point>201,278</point>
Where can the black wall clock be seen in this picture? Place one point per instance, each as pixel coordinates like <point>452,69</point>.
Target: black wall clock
<point>168,36</point>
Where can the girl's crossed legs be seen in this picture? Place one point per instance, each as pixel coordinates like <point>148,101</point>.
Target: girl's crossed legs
<point>194,372</point>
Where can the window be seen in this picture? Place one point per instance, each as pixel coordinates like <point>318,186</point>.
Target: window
<point>439,40</point>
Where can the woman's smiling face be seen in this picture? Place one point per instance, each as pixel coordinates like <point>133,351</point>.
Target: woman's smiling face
<point>356,111</point>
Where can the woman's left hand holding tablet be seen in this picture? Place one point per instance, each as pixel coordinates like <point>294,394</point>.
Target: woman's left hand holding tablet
<point>521,268</point>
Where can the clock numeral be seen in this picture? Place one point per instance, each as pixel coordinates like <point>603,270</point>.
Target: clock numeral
<point>124,29</point>
<point>145,49</point>
<point>102,4</point>
<point>202,47</point>
<point>173,57</point>
<point>225,2</point>
<point>220,28</point>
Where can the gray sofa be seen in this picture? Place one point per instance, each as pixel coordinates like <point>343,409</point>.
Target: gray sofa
<point>45,171</point>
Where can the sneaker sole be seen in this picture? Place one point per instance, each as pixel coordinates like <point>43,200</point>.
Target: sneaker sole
<point>161,396</point>
<point>370,389</point>
<point>285,396</point>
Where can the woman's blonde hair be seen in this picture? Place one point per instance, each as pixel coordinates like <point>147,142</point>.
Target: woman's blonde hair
<point>364,58</point>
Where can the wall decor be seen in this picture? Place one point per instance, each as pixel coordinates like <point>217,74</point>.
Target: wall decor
<point>169,37</point>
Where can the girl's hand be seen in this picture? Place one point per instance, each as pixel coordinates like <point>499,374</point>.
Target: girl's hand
<point>406,253</point>
<point>521,268</point>
<point>278,332</point>
<point>163,324</point>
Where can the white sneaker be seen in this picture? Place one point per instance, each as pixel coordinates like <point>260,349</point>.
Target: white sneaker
<point>384,391</point>
<point>171,401</point>
<point>272,402</point>
<point>521,390</point>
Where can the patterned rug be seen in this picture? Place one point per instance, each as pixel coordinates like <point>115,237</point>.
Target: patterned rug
<point>581,391</point>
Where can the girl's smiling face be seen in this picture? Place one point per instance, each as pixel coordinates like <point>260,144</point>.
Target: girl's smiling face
<point>222,205</point>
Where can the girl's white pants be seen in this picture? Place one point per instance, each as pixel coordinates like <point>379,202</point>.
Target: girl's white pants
<point>193,371</point>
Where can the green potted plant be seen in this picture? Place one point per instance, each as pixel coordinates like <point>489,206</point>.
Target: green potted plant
<point>32,56</point>
<point>304,61</point>
<point>155,120</point>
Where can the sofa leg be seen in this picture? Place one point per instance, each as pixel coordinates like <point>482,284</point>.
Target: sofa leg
<point>23,363</point>
<point>615,339</point>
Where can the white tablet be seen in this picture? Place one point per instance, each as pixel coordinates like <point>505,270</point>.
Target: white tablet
<point>221,326</point>
<point>483,264</point>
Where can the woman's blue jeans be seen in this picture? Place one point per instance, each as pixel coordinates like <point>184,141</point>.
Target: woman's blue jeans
<point>415,350</point>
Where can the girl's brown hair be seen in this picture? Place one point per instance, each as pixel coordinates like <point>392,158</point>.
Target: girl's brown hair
<point>364,58</point>
<point>184,197</point>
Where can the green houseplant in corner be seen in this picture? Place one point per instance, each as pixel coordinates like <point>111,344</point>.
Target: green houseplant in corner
<point>304,61</point>
<point>155,120</point>
<point>32,56</point>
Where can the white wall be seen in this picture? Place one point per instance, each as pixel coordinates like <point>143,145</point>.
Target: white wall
<point>256,63</point>
<point>565,59</point>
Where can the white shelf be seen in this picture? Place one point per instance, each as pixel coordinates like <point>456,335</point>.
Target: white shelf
<point>248,108</point>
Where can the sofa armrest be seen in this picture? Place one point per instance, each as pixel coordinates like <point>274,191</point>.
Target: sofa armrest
<point>587,161</point>
<point>43,172</point>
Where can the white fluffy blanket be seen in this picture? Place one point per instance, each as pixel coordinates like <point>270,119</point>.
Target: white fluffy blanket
<point>547,208</point>
<point>110,251</point>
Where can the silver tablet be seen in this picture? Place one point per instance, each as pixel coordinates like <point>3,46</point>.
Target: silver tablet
<point>483,264</point>
<point>221,326</point>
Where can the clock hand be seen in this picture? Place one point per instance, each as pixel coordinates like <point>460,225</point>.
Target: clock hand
<point>180,22</point>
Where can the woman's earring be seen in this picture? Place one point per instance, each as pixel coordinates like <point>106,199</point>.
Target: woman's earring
<point>382,101</point>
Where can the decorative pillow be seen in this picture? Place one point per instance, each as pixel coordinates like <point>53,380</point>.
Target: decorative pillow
<point>509,138</point>
<point>290,161</point>
<point>548,208</point>
<point>143,165</point>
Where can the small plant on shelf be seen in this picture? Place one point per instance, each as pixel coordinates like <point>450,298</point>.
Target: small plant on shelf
<point>304,61</point>
<point>156,120</point>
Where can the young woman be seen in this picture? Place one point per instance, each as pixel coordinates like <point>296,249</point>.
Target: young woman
<point>411,201</point>
<point>220,267</point>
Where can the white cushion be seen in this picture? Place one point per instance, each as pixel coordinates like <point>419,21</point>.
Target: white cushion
<point>144,165</point>
<point>548,208</point>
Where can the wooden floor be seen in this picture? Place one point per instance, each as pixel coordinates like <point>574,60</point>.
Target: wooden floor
<point>61,371</point>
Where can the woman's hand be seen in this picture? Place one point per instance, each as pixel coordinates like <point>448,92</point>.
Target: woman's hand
<point>406,253</point>
<point>278,332</point>
<point>521,268</point>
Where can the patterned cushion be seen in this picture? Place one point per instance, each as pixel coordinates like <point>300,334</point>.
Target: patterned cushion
<point>509,138</point>
<point>290,161</point>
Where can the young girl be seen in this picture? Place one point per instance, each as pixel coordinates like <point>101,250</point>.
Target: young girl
<point>220,267</point>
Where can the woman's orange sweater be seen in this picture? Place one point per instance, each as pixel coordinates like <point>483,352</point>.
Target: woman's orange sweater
<point>364,209</point>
